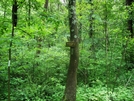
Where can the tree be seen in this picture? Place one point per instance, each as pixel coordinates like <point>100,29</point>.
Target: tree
<point>129,58</point>
<point>46,4</point>
<point>91,20</point>
<point>70,90</point>
<point>39,58</point>
<point>14,24</point>
<point>130,20</point>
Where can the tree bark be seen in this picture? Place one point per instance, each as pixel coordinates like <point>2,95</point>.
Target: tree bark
<point>14,24</point>
<point>46,4</point>
<point>91,20</point>
<point>80,24</point>
<point>130,20</point>
<point>129,59</point>
<point>14,13</point>
<point>70,89</point>
<point>29,12</point>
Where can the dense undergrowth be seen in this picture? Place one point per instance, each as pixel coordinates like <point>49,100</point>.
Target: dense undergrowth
<point>40,59</point>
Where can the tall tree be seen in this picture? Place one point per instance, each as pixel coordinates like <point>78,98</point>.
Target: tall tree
<point>91,34</point>
<point>46,4</point>
<point>91,20</point>
<point>129,58</point>
<point>130,20</point>
<point>29,12</point>
<point>80,23</point>
<point>70,89</point>
<point>14,24</point>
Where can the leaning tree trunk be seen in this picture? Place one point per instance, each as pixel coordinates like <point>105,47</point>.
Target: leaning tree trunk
<point>70,89</point>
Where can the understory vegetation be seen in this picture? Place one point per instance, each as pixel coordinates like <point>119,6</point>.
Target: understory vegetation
<point>40,59</point>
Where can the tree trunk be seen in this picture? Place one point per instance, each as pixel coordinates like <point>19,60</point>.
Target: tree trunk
<point>80,23</point>
<point>14,13</point>
<point>46,4</point>
<point>91,20</point>
<point>92,38</point>
<point>14,24</point>
<point>29,12</point>
<point>129,58</point>
<point>70,89</point>
<point>130,20</point>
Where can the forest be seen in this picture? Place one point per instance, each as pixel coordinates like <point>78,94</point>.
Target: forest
<point>66,50</point>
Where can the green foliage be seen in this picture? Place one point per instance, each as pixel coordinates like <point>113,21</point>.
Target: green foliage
<point>40,59</point>
<point>130,54</point>
<point>101,93</point>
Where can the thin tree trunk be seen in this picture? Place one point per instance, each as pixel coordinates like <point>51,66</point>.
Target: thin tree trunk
<point>106,44</point>
<point>130,20</point>
<point>46,4</point>
<point>70,89</point>
<point>29,12</point>
<point>14,24</point>
<point>14,13</point>
<point>91,29</point>
<point>80,24</point>
<point>92,36</point>
<point>91,20</point>
<point>130,29</point>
